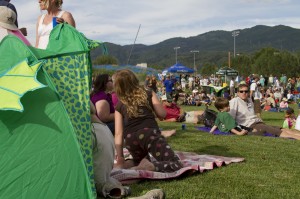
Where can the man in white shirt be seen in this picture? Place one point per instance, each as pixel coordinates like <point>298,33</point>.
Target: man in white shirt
<point>191,82</point>
<point>232,89</point>
<point>242,110</point>
<point>255,95</point>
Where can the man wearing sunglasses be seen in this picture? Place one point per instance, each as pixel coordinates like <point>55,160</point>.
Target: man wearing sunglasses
<point>242,110</point>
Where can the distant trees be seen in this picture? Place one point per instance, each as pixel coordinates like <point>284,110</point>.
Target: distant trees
<point>208,69</point>
<point>105,60</point>
<point>268,61</point>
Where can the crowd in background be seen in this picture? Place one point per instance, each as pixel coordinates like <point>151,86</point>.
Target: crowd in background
<point>274,93</point>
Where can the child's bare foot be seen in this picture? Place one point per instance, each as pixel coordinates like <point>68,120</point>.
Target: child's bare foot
<point>128,164</point>
<point>254,131</point>
<point>145,164</point>
<point>168,133</point>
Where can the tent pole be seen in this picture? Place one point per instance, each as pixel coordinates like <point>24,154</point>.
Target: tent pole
<point>133,44</point>
<point>229,59</point>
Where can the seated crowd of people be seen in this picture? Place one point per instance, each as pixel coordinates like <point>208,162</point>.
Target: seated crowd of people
<point>124,114</point>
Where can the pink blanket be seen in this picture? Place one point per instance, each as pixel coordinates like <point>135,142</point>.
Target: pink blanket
<point>192,163</point>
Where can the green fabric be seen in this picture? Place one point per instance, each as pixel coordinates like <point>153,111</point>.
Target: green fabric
<point>10,89</point>
<point>70,69</point>
<point>225,122</point>
<point>12,52</point>
<point>53,117</point>
<point>72,85</point>
<point>40,155</point>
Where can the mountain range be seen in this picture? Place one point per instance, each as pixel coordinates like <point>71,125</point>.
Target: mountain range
<point>213,47</point>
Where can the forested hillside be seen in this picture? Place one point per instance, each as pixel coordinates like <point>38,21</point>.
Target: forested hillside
<point>251,43</point>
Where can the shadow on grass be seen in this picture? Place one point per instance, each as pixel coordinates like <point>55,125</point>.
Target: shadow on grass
<point>273,119</point>
<point>217,150</point>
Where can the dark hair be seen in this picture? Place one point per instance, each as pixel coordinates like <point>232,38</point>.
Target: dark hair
<point>100,83</point>
<point>221,102</point>
<point>289,111</point>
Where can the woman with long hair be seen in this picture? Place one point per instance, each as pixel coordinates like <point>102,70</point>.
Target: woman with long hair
<point>45,21</point>
<point>135,122</point>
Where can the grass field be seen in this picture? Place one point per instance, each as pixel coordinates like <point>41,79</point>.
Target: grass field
<point>271,168</point>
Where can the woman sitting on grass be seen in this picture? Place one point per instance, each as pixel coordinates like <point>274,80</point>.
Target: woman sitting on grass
<point>135,122</point>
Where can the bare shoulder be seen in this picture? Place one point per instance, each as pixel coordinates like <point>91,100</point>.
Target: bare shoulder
<point>67,14</point>
<point>68,17</point>
<point>39,18</point>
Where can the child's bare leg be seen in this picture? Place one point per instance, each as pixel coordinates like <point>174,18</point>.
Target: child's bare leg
<point>290,133</point>
<point>168,133</point>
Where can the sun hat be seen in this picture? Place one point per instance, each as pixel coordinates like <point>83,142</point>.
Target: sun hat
<point>7,18</point>
<point>3,33</point>
<point>164,97</point>
<point>284,99</point>
<point>195,91</point>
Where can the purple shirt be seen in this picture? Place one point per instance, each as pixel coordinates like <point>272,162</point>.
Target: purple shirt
<point>101,95</point>
<point>114,98</point>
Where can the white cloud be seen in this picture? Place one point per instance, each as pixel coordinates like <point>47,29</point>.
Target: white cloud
<point>117,21</point>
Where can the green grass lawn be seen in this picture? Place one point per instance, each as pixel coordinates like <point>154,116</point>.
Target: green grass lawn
<point>271,168</point>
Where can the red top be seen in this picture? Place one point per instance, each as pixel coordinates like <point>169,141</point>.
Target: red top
<point>173,111</point>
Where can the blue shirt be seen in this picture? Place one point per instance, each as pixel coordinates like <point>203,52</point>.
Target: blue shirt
<point>169,85</point>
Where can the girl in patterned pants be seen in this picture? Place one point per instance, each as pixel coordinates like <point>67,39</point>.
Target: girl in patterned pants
<point>135,122</point>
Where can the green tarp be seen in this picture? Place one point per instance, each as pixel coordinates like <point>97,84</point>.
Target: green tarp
<point>45,150</point>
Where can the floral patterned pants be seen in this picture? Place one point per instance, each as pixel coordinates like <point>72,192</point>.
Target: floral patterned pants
<point>149,142</point>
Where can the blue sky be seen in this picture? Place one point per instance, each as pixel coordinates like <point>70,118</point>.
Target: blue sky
<point>117,21</point>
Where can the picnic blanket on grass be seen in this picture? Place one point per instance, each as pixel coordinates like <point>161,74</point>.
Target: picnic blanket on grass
<point>218,132</point>
<point>192,163</point>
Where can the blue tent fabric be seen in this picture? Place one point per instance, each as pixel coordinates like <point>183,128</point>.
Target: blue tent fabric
<point>179,68</point>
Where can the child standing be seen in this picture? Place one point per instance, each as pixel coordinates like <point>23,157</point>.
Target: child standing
<point>224,121</point>
<point>135,122</point>
<point>290,119</point>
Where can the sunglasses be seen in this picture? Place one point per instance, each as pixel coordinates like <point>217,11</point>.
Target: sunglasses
<point>245,91</point>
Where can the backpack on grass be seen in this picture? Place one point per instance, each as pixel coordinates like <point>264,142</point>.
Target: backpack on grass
<point>208,117</point>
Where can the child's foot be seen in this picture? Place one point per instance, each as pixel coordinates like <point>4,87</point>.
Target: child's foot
<point>169,133</point>
<point>254,131</point>
<point>145,164</point>
<point>155,194</point>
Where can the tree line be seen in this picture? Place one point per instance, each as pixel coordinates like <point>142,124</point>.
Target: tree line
<point>266,61</point>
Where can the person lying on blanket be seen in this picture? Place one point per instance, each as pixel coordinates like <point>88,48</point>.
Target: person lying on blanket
<point>242,110</point>
<point>135,123</point>
<point>225,122</point>
<point>175,113</point>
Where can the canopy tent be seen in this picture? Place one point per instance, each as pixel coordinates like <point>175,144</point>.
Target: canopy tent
<point>227,72</point>
<point>177,68</point>
<point>45,131</point>
<point>218,89</point>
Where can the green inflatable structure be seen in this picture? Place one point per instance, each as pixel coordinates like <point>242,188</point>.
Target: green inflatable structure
<point>45,129</point>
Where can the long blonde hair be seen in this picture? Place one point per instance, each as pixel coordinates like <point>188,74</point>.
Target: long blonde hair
<point>130,92</point>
